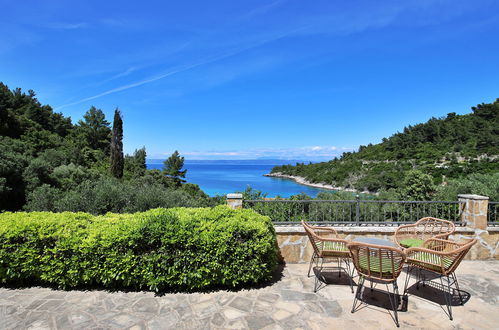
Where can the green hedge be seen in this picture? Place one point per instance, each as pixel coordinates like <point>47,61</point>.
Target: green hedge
<point>161,249</point>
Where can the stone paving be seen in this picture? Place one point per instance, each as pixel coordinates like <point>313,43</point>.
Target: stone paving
<point>287,303</point>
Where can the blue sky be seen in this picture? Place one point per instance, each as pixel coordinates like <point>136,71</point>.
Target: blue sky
<point>247,79</point>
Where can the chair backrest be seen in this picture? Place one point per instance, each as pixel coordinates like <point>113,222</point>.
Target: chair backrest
<point>378,262</point>
<point>316,234</point>
<point>429,227</point>
<point>424,229</point>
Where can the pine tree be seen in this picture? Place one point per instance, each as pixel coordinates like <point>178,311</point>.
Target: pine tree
<point>172,167</point>
<point>117,161</point>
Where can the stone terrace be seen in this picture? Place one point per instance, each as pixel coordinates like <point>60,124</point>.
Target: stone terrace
<point>288,303</point>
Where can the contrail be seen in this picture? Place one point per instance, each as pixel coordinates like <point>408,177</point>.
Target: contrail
<point>182,69</point>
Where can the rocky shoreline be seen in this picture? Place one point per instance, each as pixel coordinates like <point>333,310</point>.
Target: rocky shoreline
<point>303,181</point>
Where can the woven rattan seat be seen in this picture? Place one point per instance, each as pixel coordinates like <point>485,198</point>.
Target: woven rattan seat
<point>327,245</point>
<point>441,257</point>
<point>377,264</point>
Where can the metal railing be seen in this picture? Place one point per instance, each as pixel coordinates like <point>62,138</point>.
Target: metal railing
<point>493,213</point>
<point>355,212</point>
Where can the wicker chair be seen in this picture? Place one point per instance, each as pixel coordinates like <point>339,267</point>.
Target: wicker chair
<point>378,264</point>
<point>327,245</point>
<point>414,235</point>
<point>441,257</point>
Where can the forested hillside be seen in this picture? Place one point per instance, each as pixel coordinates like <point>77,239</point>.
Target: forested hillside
<point>455,147</point>
<point>48,163</point>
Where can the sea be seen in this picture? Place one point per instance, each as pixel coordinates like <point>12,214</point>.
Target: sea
<point>220,177</point>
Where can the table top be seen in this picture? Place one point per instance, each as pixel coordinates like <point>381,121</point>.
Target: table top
<point>375,241</point>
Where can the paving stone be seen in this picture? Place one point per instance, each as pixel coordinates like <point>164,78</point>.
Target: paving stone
<point>289,306</point>
<point>51,305</point>
<point>281,315</point>
<point>224,299</point>
<point>291,295</point>
<point>148,305</point>
<point>183,309</point>
<point>332,308</point>
<point>268,296</point>
<point>217,320</point>
<point>232,314</point>
<point>263,306</point>
<point>35,304</point>
<point>205,308</point>
<point>121,321</point>
<point>235,324</point>
<point>260,321</point>
<point>163,321</point>
<point>241,303</point>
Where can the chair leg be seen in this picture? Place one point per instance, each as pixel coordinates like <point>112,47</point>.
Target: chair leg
<point>358,292</point>
<point>393,297</point>
<point>347,263</point>
<point>339,267</point>
<point>317,280</point>
<point>314,255</point>
<point>457,288</point>
<point>447,294</point>
<point>407,279</point>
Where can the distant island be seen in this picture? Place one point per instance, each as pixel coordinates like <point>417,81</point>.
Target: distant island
<point>451,148</point>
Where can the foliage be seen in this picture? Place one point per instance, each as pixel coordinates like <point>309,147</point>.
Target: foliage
<point>161,249</point>
<point>108,194</point>
<point>135,165</point>
<point>49,164</point>
<point>172,167</point>
<point>451,147</point>
<point>418,186</point>
<point>117,162</point>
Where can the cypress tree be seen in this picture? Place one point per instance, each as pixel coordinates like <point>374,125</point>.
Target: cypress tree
<point>117,162</point>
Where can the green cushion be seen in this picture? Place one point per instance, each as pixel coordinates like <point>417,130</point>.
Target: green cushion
<point>374,264</point>
<point>335,246</point>
<point>411,242</point>
<point>430,261</point>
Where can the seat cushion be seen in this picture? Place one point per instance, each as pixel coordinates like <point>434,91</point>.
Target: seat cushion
<point>374,265</point>
<point>334,246</point>
<point>411,242</point>
<point>430,261</point>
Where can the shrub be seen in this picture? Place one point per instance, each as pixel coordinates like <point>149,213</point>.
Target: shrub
<point>161,249</point>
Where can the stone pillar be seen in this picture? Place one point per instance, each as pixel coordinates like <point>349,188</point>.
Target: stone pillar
<point>474,214</point>
<point>235,201</point>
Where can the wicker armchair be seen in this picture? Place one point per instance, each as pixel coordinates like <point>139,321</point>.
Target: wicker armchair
<point>441,257</point>
<point>378,264</point>
<point>327,245</point>
<point>414,235</point>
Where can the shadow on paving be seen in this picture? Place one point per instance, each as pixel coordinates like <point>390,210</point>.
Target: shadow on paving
<point>435,292</point>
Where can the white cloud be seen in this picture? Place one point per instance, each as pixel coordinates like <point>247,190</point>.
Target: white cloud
<point>298,153</point>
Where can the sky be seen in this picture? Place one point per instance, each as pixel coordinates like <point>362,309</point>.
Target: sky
<point>241,79</point>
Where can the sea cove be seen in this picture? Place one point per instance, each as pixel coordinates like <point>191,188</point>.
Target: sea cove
<point>220,177</point>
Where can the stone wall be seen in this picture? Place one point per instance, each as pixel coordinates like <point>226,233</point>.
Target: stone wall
<point>294,246</point>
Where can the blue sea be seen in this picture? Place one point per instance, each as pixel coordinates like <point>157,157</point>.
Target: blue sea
<point>220,177</point>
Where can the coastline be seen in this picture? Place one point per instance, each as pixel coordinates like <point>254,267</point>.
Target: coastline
<point>301,180</point>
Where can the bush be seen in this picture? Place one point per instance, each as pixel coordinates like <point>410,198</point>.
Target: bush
<point>161,249</point>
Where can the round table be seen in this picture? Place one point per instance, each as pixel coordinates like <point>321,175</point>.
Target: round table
<point>376,241</point>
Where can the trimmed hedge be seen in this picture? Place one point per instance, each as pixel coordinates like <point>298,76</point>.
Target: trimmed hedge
<point>161,249</point>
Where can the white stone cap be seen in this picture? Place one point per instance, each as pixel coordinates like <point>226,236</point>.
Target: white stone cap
<point>234,196</point>
<point>471,196</point>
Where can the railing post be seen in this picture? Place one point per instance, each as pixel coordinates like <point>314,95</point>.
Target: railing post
<point>235,201</point>
<point>475,210</point>
<point>357,210</point>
